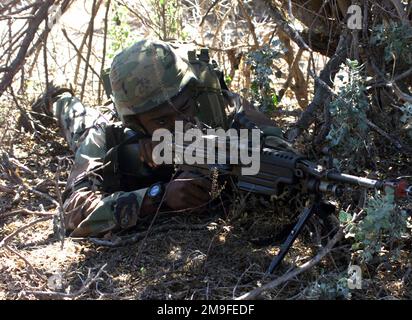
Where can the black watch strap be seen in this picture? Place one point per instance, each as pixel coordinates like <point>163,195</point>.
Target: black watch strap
<point>155,192</point>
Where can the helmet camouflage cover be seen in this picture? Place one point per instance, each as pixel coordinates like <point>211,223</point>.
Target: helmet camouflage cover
<point>146,75</point>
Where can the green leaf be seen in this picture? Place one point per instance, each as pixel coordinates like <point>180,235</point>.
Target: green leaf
<point>356,246</point>
<point>344,217</point>
<point>228,79</point>
<point>275,100</point>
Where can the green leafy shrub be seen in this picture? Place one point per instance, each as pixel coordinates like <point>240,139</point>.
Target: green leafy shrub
<point>167,17</point>
<point>263,95</point>
<point>348,112</point>
<point>396,38</point>
<point>120,34</point>
<point>382,224</point>
<point>328,286</point>
<point>406,118</point>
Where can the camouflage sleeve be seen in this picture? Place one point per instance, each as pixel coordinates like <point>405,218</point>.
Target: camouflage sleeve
<point>89,211</point>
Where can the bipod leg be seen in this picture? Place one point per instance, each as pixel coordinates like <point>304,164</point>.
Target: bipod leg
<point>306,214</point>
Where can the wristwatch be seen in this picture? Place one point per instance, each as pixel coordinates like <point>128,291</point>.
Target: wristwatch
<point>155,193</point>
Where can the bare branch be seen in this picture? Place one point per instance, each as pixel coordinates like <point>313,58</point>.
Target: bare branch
<point>79,53</point>
<point>321,94</point>
<point>6,189</point>
<point>52,294</point>
<point>95,8</point>
<point>82,44</point>
<point>306,266</point>
<point>13,234</point>
<point>27,212</point>
<point>20,58</point>
<point>106,16</point>
<point>285,26</point>
<point>41,276</point>
<point>207,12</point>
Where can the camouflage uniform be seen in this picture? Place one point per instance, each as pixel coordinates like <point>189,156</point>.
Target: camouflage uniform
<point>89,210</point>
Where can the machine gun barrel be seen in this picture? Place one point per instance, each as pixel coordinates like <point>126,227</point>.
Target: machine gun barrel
<point>400,187</point>
<point>355,180</point>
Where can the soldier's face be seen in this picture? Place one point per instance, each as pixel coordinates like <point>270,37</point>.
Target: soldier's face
<point>181,108</point>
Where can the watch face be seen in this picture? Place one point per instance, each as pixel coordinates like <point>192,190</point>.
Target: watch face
<point>154,190</point>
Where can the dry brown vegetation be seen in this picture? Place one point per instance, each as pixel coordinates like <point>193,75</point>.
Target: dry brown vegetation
<point>211,256</point>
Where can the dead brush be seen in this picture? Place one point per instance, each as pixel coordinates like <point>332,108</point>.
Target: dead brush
<point>217,188</point>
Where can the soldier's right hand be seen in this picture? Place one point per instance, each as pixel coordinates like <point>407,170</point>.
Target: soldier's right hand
<point>145,152</point>
<point>188,191</point>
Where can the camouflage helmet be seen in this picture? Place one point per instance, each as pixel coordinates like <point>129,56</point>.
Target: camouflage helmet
<point>146,75</point>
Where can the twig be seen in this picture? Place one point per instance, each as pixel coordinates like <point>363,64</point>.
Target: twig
<point>218,49</point>
<point>401,11</point>
<point>21,166</point>
<point>79,53</point>
<point>144,17</point>
<point>392,84</point>
<point>26,261</point>
<point>207,12</point>
<point>26,116</point>
<point>401,95</point>
<point>17,36</point>
<point>36,46</point>
<point>27,212</point>
<point>89,48</point>
<point>298,270</point>
<point>82,44</point>
<point>46,97</point>
<point>405,74</point>
<point>13,234</point>
<point>250,24</point>
<point>324,130</point>
<point>292,66</point>
<point>6,189</point>
<point>20,58</point>
<point>284,25</point>
<point>106,15</point>
<point>36,56</point>
<point>7,5</point>
<point>373,126</point>
<point>86,285</point>
<point>60,207</point>
<point>11,17</point>
<point>240,278</point>
<point>221,23</point>
<point>17,179</point>
<point>128,240</point>
<point>327,75</point>
<point>35,4</point>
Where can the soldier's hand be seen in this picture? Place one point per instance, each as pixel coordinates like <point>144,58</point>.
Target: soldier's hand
<point>146,146</point>
<point>187,191</point>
